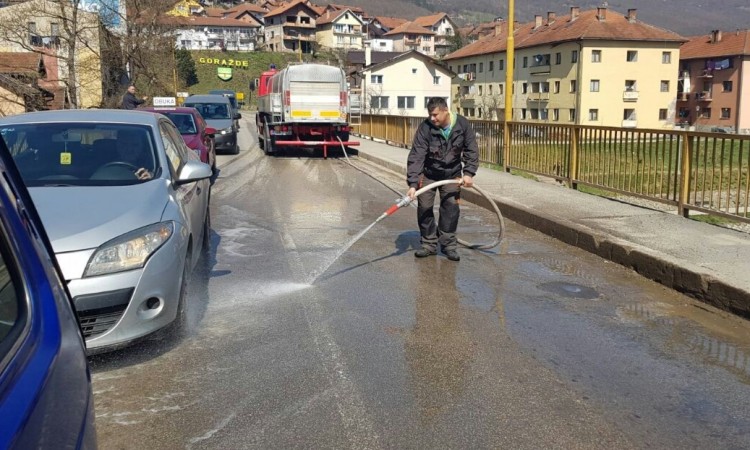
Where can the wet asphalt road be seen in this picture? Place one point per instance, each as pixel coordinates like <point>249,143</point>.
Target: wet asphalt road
<point>291,343</point>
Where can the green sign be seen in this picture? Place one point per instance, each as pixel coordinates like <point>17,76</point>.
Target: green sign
<point>224,73</point>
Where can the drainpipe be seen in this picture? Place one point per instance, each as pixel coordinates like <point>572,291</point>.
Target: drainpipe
<point>738,106</point>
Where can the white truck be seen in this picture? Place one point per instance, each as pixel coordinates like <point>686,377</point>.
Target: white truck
<point>303,105</point>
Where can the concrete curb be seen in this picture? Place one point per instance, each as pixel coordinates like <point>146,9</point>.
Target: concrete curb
<point>687,278</point>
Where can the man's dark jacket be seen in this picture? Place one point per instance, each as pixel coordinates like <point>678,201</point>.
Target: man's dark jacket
<point>440,159</point>
<point>130,101</point>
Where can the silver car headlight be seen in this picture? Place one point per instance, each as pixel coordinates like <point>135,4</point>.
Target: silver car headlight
<point>226,130</point>
<point>129,251</point>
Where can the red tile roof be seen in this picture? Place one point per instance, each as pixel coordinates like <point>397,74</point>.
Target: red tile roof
<point>287,6</point>
<point>215,12</point>
<point>428,21</point>
<point>409,28</point>
<point>20,62</point>
<point>207,21</point>
<point>390,22</point>
<point>355,9</point>
<point>245,7</point>
<point>732,43</point>
<point>331,16</point>
<point>586,26</point>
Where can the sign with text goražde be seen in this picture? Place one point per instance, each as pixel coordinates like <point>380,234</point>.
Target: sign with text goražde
<point>228,62</point>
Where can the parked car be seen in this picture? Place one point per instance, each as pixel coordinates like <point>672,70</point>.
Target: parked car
<point>217,111</point>
<point>125,204</point>
<point>195,132</point>
<point>45,384</point>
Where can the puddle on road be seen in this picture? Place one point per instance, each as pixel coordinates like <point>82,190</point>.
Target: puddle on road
<point>570,290</point>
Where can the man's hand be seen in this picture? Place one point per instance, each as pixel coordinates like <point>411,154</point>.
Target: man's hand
<point>410,193</point>
<point>143,174</point>
<point>145,97</point>
<point>468,181</point>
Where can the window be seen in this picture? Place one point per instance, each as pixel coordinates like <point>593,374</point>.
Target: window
<point>726,86</point>
<point>376,79</point>
<point>534,114</point>
<point>706,113</point>
<point>632,56</point>
<point>492,66</point>
<point>480,90</point>
<point>574,56</point>
<point>523,113</point>
<point>594,86</point>
<point>54,29</point>
<point>556,114</point>
<point>571,115</point>
<point>593,115</point>
<point>666,57</point>
<point>556,88</point>
<point>525,88</point>
<point>663,114</point>
<point>501,64</point>
<point>558,58</point>
<point>526,61</point>
<point>13,312</point>
<point>481,67</point>
<point>544,114</point>
<point>664,86</point>
<point>379,102</point>
<point>436,79</point>
<point>489,89</point>
<point>573,86</point>
<point>596,56</point>
<point>726,113</point>
<point>500,89</point>
<point>630,86</point>
<point>413,70</point>
<point>628,114</point>
<point>405,102</point>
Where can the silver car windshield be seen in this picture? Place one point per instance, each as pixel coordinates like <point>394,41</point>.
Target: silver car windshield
<point>211,110</point>
<point>82,154</point>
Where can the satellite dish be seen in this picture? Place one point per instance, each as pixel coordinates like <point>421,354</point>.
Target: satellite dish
<point>538,58</point>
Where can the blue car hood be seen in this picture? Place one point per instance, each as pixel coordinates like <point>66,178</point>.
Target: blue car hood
<point>80,218</point>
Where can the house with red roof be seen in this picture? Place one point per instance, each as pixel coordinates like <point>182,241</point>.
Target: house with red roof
<point>410,36</point>
<point>445,31</point>
<point>291,27</point>
<point>714,81</point>
<point>340,29</point>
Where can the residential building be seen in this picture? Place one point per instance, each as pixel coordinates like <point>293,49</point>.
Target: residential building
<point>22,77</point>
<point>356,60</point>
<point>594,67</point>
<point>445,31</point>
<point>472,33</point>
<point>186,8</point>
<point>215,33</point>
<point>376,30</point>
<point>291,27</point>
<point>339,29</point>
<point>41,27</point>
<point>403,84</point>
<point>714,82</point>
<point>356,10</point>
<point>410,36</point>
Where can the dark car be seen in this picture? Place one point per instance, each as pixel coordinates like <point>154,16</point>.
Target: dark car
<point>195,132</point>
<point>218,113</point>
<point>46,400</point>
<point>231,95</point>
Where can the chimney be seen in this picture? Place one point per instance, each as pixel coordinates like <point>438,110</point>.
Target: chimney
<point>537,21</point>
<point>574,11</point>
<point>631,15</point>
<point>718,35</point>
<point>368,54</point>
<point>551,16</point>
<point>498,29</point>
<point>601,13</point>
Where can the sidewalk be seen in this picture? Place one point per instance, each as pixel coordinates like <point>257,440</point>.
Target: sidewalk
<point>704,261</point>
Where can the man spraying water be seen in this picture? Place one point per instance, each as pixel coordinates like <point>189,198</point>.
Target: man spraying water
<point>444,148</point>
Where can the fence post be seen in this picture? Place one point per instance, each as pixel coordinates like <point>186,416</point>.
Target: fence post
<point>506,146</point>
<point>575,137</point>
<point>405,121</point>
<point>687,151</point>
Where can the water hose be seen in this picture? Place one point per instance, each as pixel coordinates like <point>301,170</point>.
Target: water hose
<point>406,200</point>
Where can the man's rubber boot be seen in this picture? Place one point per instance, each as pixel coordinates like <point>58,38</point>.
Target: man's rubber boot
<point>423,252</point>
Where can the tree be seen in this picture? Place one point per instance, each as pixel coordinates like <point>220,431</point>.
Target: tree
<point>186,67</point>
<point>455,42</point>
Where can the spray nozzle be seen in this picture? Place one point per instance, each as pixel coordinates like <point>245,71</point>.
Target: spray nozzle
<point>403,201</point>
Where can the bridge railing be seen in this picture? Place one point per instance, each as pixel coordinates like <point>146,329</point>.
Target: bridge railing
<point>694,171</point>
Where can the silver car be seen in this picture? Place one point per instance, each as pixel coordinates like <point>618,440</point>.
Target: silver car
<point>125,204</point>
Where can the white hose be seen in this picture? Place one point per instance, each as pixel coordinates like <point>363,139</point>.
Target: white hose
<point>437,184</point>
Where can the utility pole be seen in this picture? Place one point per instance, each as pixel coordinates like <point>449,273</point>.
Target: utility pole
<point>509,51</point>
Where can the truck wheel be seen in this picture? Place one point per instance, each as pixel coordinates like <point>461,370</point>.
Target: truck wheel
<point>344,137</point>
<point>267,143</point>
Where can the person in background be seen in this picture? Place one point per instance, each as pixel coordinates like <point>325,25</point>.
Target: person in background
<point>130,101</point>
<point>444,147</point>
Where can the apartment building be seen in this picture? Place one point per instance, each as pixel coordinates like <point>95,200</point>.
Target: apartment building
<point>340,29</point>
<point>410,36</point>
<point>444,29</point>
<point>291,27</point>
<point>714,82</point>
<point>215,33</point>
<point>594,67</point>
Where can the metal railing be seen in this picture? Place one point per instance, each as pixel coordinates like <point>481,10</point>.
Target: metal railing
<point>694,171</point>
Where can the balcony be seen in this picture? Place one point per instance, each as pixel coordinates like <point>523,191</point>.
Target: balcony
<point>706,73</point>
<point>298,25</point>
<point>297,37</point>
<point>44,41</point>
<point>629,123</point>
<point>630,96</point>
<point>467,76</point>
<point>467,100</point>
<point>683,96</point>
<point>704,96</point>
<point>538,97</point>
<point>540,69</point>
<point>355,31</point>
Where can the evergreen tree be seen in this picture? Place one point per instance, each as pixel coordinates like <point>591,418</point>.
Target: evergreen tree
<point>186,67</point>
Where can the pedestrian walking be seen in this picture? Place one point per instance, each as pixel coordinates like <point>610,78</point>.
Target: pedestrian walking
<point>444,148</point>
<point>130,101</point>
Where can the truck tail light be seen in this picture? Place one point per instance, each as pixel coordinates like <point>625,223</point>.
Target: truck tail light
<point>287,98</point>
<point>343,97</point>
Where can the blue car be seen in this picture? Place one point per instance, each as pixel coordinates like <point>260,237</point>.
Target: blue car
<point>46,400</point>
